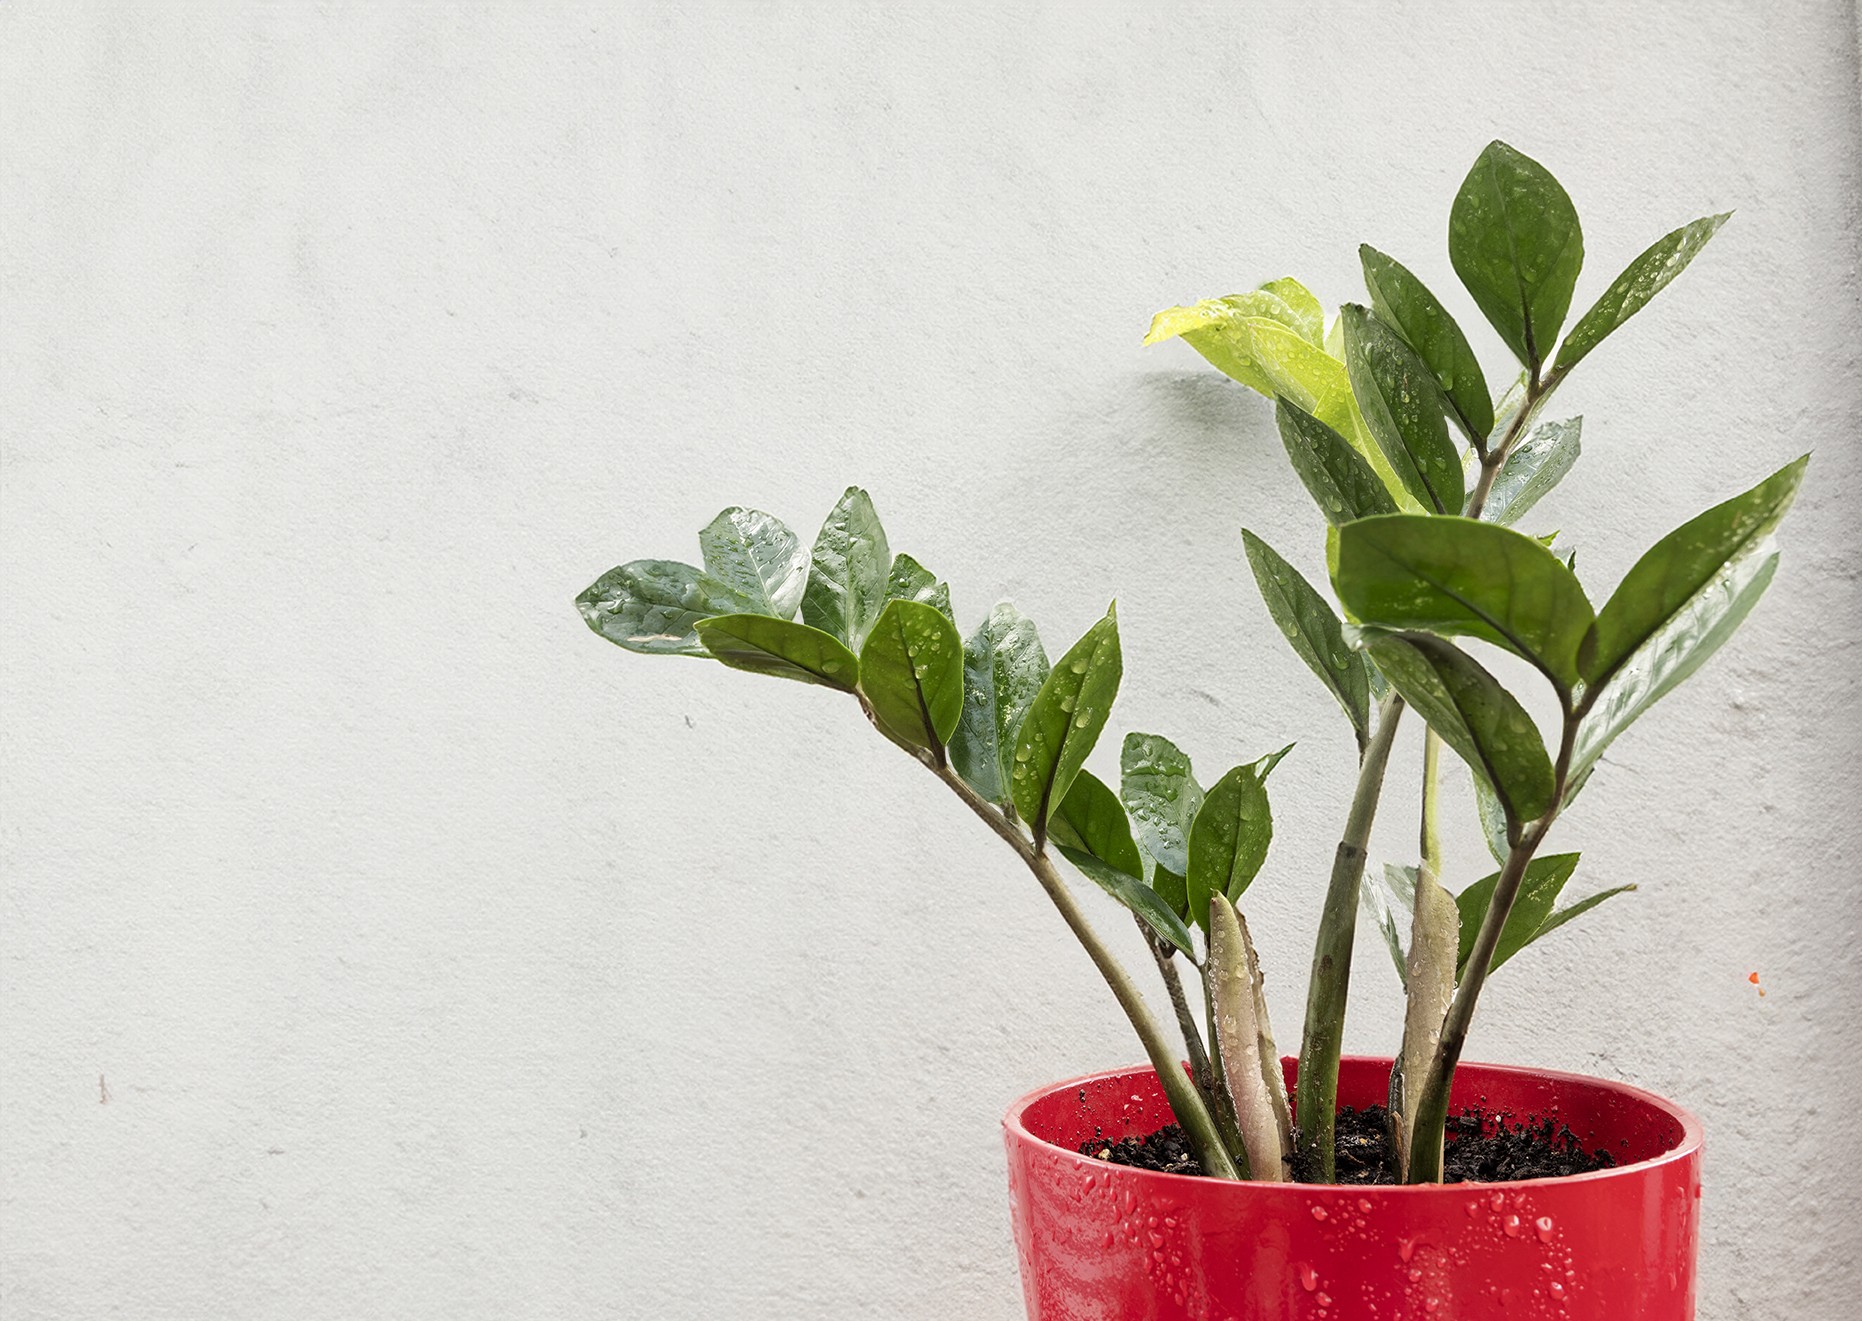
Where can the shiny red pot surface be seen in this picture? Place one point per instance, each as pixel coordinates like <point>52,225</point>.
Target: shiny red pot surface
<point>1104,1243</point>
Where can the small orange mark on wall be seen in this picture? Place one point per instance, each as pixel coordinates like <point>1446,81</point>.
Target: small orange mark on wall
<point>1754,979</point>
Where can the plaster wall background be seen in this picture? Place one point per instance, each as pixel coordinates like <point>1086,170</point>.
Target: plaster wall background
<point>439,960</point>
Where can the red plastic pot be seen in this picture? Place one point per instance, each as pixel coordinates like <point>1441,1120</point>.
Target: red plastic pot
<point>1105,1243</point>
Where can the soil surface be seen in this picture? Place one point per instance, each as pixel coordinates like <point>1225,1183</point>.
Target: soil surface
<point>1482,1148</point>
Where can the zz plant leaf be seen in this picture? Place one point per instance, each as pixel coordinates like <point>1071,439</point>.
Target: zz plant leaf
<point>757,559</point>
<point>1091,820</point>
<point>1064,722</point>
<point>1536,465</point>
<point>848,571</point>
<point>1631,291</point>
<point>1426,326</point>
<point>765,645</point>
<point>1229,839</point>
<point>1535,912</point>
<point>911,674</point>
<point>650,606</point>
<point>1460,576</point>
<point>1004,666</point>
<point>911,581</point>
<point>1340,480</point>
<point>1313,630</point>
<point>1402,407</point>
<point>1159,790</point>
<point>1515,241</point>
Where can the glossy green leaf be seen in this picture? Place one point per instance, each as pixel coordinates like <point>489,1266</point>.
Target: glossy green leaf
<point>1136,896</point>
<point>1533,912</point>
<point>1004,666</point>
<point>1582,906</point>
<point>1340,480</point>
<point>1493,820</point>
<point>1229,839</point>
<point>1160,791</point>
<point>911,581</point>
<point>1092,820</point>
<point>1671,574</point>
<point>765,645</point>
<point>1402,407</point>
<point>911,673</point>
<point>1461,576</point>
<point>1474,715</point>
<point>1630,292</point>
<point>1172,888</point>
<point>1305,314</point>
<point>650,606</point>
<point>1426,326</point>
<point>1064,722</point>
<point>1222,330</point>
<point>757,559</point>
<point>1536,465</point>
<point>847,571</point>
<point>1515,241</point>
<point>1312,630</point>
<point>1676,651</point>
<point>1388,900</point>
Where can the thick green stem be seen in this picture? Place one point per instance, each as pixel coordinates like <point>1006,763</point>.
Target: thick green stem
<point>1185,1101</point>
<point>1316,1106</point>
<point>1180,1005</point>
<point>1431,805</point>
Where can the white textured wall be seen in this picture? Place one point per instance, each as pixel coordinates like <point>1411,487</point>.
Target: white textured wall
<point>440,960</point>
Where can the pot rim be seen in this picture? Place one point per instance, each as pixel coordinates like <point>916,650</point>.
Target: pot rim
<point>1691,1140</point>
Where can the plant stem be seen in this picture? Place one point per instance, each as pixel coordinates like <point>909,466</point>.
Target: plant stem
<point>1173,985</point>
<point>1431,805</point>
<point>1185,1101</point>
<point>1316,1106</point>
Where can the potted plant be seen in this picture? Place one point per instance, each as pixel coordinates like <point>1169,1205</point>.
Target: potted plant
<point>1223,1180</point>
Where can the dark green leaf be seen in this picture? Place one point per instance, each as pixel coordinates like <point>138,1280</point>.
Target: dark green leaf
<point>1645,277</point>
<point>911,581</point>
<point>1229,839</point>
<point>765,645</point>
<point>1536,465</point>
<point>1136,896</point>
<point>1172,888</point>
<point>911,672</point>
<point>1514,239</point>
<point>1678,649</point>
<point>1160,791</point>
<point>1312,630</point>
<point>1339,479</point>
<point>847,571</point>
<point>1092,820</point>
<point>1493,820</point>
<point>1533,914</point>
<point>1461,576</point>
<point>1402,407</point>
<point>1672,573</point>
<point>1003,668</point>
<point>650,606</point>
<point>1064,722</point>
<point>757,558</point>
<point>1419,317</point>
<point>1473,714</point>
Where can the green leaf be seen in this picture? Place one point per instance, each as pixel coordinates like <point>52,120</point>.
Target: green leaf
<point>1137,897</point>
<point>1305,315</point>
<point>1532,915</point>
<point>1536,465</point>
<point>1668,577</point>
<point>653,607</point>
<point>1312,630</point>
<point>1229,839</point>
<point>1678,649</point>
<point>911,672</point>
<point>1402,407</point>
<point>1630,292</point>
<point>1160,791</point>
<point>911,581</point>
<point>1064,722</point>
<point>1172,888</point>
<point>1343,484</point>
<point>1456,575</point>
<point>1092,820</point>
<point>757,558</point>
<point>1222,330</point>
<point>847,571</point>
<point>1493,820</point>
<point>1004,666</point>
<point>1389,902</point>
<point>766,645</point>
<point>1473,714</point>
<point>1514,239</point>
<point>1425,325</point>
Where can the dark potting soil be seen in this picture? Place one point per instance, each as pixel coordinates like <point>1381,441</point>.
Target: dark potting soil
<point>1481,1148</point>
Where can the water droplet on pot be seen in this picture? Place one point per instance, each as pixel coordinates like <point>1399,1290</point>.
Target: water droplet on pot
<point>1309,1278</point>
<point>1512,1226</point>
<point>1544,1227</point>
<point>1318,1213</point>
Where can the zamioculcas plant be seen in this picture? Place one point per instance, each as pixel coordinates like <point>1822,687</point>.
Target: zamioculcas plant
<point>1421,476</point>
